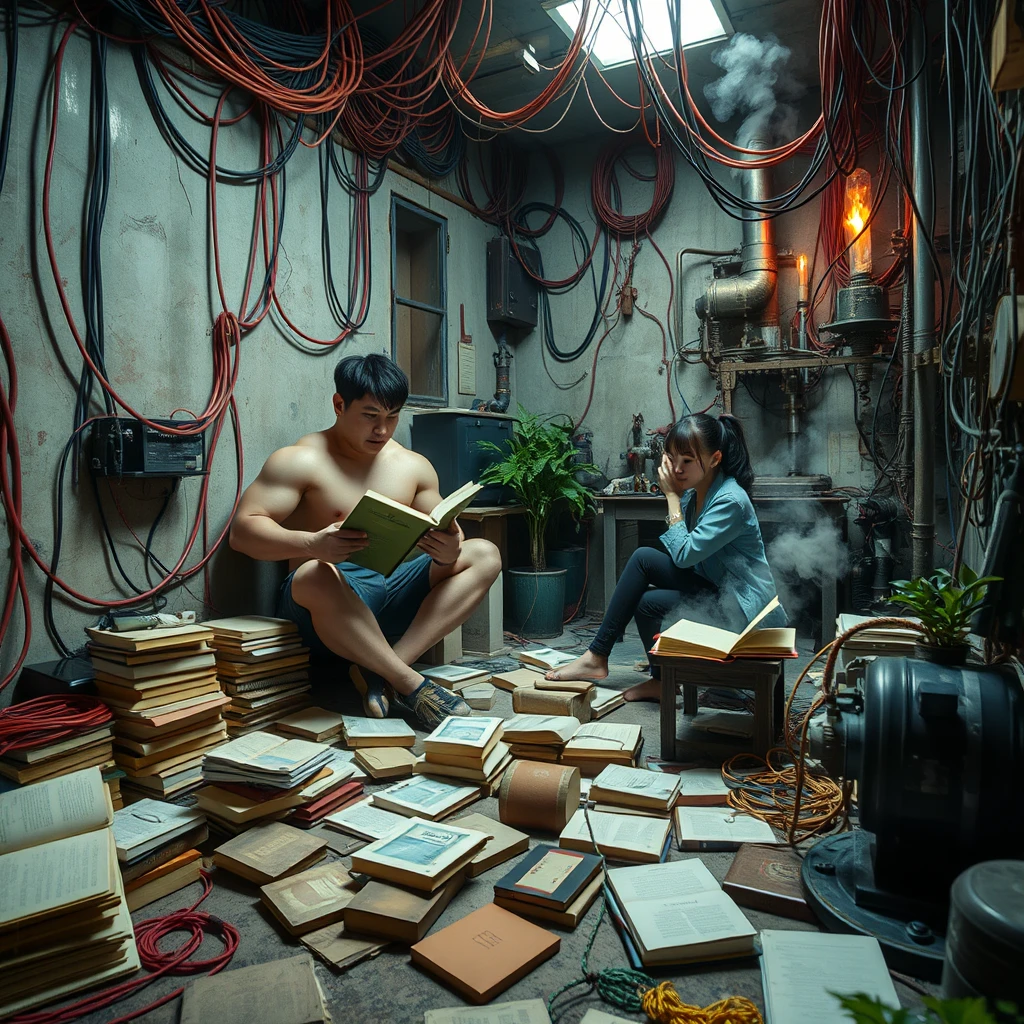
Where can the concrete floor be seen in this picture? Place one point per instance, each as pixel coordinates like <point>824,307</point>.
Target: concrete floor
<point>390,988</point>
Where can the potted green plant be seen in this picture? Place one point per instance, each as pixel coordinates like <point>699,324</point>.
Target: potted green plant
<point>864,1009</point>
<point>945,607</point>
<point>538,463</point>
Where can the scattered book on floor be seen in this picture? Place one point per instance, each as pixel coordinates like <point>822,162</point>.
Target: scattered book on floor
<point>801,970</point>
<point>393,529</point>
<point>138,866</point>
<point>174,874</point>
<point>890,641</point>
<point>485,952</point>
<point>545,658</point>
<point>386,762</point>
<point>570,685</point>
<point>339,948</point>
<point>568,918</point>
<point>531,701</point>
<point>633,838</point>
<point>269,852</point>
<point>503,843</point>
<point>422,856</point>
<point>522,1011</point>
<point>768,878</point>
<point>597,744</point>
<point>376,732</point>
<point>687,639</point>
<point>397,913</point>
<point>147,824</point>
<point>479,696</point>
<point>677,913</point>
<point>311,899</point>
<point>604,700</point>
<point>282,991</point>
<point>702,787</point>
<point>548,877</point>
<point>366,821</point>
<point>637,788</point>
<point>452,677</point>
<point>55,809</point>
<point>425,797</point>
<point>553,730</point>
<point>312,723</point>
<point>719,828</point>
<point>724,723</point>
<point>464,735</point>
<point>514,679</point>
<point>487,772</point>
<point>261,758</point>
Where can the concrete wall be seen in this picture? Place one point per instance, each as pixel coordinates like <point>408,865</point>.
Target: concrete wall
<point>160,300</point>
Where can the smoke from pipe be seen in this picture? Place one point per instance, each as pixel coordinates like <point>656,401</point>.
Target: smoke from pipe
<point>805,554</point>
<point>755,83</point>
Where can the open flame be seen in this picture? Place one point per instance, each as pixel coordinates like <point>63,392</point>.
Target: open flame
<point>858,213</point>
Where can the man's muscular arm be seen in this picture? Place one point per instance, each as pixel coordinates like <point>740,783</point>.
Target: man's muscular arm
<point>443,546</point>
<point>269,500</point>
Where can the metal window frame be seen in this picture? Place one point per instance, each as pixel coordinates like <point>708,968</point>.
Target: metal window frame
<point>400,202</point>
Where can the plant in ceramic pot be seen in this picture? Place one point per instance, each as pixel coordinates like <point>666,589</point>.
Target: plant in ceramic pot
<point>945,607</point>
<point>538,463</point>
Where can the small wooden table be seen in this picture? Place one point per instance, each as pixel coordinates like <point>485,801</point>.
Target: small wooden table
<point>765,678</point>
<point>483,632</point>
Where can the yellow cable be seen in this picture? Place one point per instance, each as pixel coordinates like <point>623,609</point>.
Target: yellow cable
<point>662,1004</point>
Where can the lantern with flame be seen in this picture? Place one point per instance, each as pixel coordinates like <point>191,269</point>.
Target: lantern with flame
<point>858,212</point>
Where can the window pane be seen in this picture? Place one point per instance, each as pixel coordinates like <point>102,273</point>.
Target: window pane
<point>417,274</point>
<point>418,350</point>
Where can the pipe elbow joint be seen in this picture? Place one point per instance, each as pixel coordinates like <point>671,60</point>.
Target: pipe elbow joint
<point>737,297</point>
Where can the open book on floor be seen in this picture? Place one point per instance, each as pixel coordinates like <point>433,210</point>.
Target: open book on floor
<point>687,639</point>
<point>393,528</point>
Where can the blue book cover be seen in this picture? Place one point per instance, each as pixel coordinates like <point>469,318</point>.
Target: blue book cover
<point>549,876</point>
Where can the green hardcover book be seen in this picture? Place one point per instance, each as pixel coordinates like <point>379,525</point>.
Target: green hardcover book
<point>393,528</point>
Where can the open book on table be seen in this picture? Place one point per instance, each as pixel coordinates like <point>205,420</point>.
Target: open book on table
<point>687,639</point>
<point>393,529</point>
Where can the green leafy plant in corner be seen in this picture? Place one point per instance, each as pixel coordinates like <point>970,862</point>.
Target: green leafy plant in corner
<point>944,605</point>
<point>864,1009</point>
<point>538,465</point>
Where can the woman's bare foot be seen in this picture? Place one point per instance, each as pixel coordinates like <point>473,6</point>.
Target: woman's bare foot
<point>587,666</point>
<point>649,689</point>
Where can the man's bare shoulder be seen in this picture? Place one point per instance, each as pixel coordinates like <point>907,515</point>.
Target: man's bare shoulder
<point>296,463</point>
<point>403,460</point>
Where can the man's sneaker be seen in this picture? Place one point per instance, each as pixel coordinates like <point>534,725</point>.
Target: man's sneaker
<point>372,689</point>
<point>431,704</point>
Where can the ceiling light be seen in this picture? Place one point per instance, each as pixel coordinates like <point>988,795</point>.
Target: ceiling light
<point>701,22</point>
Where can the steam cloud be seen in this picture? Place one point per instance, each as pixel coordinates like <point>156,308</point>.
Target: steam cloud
<point>755,82</point>
<point>803,555</point>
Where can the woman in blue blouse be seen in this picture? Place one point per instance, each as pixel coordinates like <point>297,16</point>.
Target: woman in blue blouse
<point>712,550</point>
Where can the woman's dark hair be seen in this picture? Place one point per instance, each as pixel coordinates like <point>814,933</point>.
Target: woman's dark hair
<point>701,435</point>
<point>373,375</point>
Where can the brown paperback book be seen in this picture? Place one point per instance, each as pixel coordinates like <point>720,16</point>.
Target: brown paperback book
<point>161,881</point>
<point>392,912</point>
<point>485,952</point>
<point>242,629</point>
<point>155,669</point>
<point>311,899</point>
<point>504,844</point>
<point>269,852</point>
<point>189,841</point>
<point>335,946</point>
<point>150,639</point>
<point>768,878</point>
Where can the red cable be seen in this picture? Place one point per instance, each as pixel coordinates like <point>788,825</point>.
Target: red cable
<point>44,720</point>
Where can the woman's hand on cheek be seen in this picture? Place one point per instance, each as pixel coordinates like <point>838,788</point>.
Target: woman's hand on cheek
<point>666,480</point>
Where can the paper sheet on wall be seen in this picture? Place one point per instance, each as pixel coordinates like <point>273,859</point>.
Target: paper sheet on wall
<point>467,368</point>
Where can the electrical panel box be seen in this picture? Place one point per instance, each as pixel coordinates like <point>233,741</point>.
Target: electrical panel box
<point>512,295</point>
<point>448,441</point>
<point>125,447</point>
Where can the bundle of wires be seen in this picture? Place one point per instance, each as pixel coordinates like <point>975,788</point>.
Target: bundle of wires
<point>45,720</point>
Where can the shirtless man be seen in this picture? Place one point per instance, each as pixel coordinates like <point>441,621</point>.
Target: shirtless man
<point>296,508</point>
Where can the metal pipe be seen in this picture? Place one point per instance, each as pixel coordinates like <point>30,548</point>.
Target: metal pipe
<point>753,291</point>
<point>502,386</point>
<point>923,527</point>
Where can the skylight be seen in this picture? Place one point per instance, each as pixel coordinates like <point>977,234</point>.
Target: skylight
<point>702,21</point>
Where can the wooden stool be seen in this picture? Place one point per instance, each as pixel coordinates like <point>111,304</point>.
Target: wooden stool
<point>765,678</point>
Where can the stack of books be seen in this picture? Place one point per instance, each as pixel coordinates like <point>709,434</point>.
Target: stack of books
<point>719,828</point>
<point>269,852</point>
<point>424,797</point>
<point>395,912</point>
<point>883,641</point>
<point>311,899</point>
<point>381,745</point>
<point>702,787</point>
<point>604,700</point>
<point>162,688</point>
<point>466,748</point>
<point>555,885</point>
<point>595,745</point>
<point>74,750</point>
<point>422,856</point>
<point>262,776</point>
<point>631,838</point>
<point>64,923</point>
<point>503,844</point>
<point>539,737</point>
<point>677,913</point>
<point>263,667</point>
<point>156,849</point>
<point>479,696</point>
<point>544,659</point>
<point>453,677</point>
<point>619,789</point>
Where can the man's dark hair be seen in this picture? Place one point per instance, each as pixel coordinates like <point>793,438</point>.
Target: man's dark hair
<point>374,375</point>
